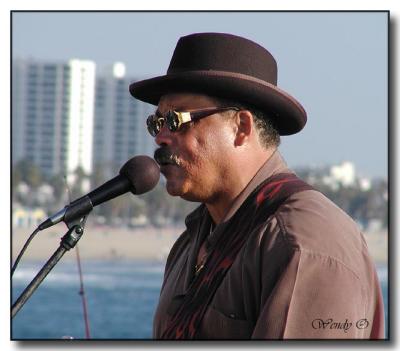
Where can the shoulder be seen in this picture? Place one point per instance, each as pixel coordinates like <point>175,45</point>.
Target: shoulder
<point>311,223</point>
<point>308,215</point>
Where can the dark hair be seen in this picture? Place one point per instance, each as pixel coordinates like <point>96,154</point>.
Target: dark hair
<point>267,132</point>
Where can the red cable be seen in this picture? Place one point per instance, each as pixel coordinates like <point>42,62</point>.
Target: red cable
<point>82,293</point>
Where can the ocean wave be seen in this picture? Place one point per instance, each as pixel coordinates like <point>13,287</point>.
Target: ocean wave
<point>109,278</point>
<point>382,273</point>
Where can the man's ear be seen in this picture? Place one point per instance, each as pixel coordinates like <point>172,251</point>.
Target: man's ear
<point>244,124</point>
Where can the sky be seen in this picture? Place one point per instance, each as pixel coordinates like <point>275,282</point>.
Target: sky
<point>334,63</point>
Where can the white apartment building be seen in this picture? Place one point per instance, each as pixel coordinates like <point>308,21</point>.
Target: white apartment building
<point>52,114</point>
<point>120,122</point>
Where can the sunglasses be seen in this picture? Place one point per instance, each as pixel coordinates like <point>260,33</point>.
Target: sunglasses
<point>174,120</point>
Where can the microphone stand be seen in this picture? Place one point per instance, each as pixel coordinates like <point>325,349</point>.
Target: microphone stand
<point>68,241</point>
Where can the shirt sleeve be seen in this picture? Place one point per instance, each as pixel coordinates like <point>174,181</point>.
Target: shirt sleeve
<point>316,297</point>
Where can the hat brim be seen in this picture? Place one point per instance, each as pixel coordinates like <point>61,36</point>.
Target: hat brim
<point>288,115</point>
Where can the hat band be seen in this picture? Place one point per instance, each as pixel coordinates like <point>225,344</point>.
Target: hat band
<point>226,74</point>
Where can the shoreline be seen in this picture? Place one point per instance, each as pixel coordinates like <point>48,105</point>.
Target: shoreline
<point>148,243</point>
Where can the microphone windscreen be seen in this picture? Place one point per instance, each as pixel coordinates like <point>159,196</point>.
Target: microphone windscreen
<point>143,173</point>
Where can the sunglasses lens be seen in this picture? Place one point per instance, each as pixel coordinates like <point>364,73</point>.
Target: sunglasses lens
<point>154,124</point>
<point>172,121</point>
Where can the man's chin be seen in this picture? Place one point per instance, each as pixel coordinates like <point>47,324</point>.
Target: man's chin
<point>174,184</point>
<point>173,192</point>
<point>173,189</point>
<point>179,191</point>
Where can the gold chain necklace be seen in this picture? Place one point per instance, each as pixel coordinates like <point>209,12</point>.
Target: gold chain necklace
<point>200,266</point>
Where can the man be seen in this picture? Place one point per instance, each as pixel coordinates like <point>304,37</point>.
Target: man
<point>265,256</point>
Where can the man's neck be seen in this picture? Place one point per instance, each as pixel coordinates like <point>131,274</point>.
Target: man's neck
<point>219,208</point>
<point>220,205</point>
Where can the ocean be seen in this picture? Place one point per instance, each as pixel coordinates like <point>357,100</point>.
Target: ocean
<point>121,299</point>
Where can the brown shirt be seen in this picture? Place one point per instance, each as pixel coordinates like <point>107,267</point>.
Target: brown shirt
<point>306,273</point>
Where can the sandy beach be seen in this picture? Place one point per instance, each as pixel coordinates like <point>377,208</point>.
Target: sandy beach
<point>107,243</point>
<point>99,242</point>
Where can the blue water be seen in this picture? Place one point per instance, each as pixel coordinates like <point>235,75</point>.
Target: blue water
<point>121,298</point>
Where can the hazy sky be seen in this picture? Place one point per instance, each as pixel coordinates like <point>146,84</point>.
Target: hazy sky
<point>334,63</point>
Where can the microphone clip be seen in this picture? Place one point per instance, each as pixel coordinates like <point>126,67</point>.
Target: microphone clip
<point>75,232</point>
<point>77,211</point>
<point>75,218</point>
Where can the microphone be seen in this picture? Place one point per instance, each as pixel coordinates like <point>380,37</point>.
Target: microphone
<point>138,175</point>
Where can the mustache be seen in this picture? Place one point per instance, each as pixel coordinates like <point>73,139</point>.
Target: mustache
<point>165,156</point>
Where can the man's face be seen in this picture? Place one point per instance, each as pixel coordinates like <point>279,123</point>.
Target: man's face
<point>199,150</point>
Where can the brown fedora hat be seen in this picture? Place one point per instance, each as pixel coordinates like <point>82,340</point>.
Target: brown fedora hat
<point>226,66</point>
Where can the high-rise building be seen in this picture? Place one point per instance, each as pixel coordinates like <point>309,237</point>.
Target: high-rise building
<point>120,122</point>
<point>52,114</point>
<point>65,116</point>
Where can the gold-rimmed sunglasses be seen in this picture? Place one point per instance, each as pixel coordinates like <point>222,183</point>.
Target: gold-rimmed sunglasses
<point>174,119</point>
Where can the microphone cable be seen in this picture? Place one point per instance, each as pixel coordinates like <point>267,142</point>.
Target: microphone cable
<point>14,267</point>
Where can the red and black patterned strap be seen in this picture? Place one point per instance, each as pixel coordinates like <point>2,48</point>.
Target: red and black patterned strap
<point>261,204</point>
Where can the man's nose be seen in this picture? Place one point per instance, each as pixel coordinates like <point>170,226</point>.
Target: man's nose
<point>164,137</point>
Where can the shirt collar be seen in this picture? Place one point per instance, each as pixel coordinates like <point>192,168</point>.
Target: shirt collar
<point>275,164</point>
